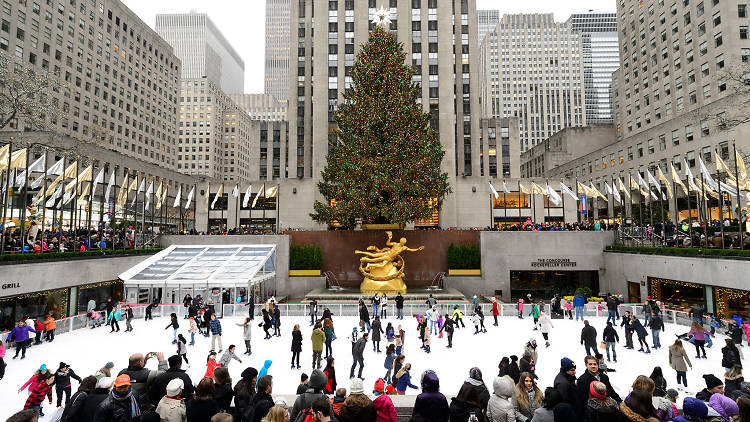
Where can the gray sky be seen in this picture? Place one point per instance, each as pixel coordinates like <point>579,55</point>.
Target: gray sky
<point>243,21</point>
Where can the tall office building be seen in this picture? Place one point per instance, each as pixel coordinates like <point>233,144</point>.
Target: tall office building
<point>121,76</point>
<point>278,28</point>
<point>601,57</point>
<point>488,20</point>
<point>203,50</point>
<point>672,100</point>
<point>532,69</point>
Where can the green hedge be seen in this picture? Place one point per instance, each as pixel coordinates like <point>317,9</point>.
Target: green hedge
<point>305,257</point>
<point>464,256</point>
<point>679,251</point>
<point>65,255</point>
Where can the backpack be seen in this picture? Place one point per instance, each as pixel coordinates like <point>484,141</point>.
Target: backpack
<point>305,415</point>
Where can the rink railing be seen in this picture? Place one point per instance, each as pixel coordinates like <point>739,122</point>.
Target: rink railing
<point>80,321</point>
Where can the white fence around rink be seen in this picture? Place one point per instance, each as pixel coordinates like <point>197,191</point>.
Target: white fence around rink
<point>80,321</point>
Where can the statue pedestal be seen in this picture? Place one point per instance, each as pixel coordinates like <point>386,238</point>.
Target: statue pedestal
<point>391,286</point>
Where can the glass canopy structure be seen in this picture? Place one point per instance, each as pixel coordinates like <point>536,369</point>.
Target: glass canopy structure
<point>219,273</point>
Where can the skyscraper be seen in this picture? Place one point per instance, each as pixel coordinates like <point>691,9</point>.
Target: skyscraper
<point>124,81</point>
<point>203,50</point>
<point>601,57</point>
<point>278,28</point>
<point>488,20</point>
<point>532,69</point>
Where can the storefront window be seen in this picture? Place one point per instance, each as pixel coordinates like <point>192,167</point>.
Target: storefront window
<point>545,284</point>
<point>732,302</point>
<point>34,305</point>
<point>676,294</point>
<point>99,292</point>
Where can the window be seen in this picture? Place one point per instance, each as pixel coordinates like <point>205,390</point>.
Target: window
<point>701,29</point>
<point>704,69</point>
<point>703,48</point>
<point>691,158</point>
<point>743,32</point>
<point>691,76</point>
<point>718,40</point>
<point>717,19</point>
<point>650,146</point>
<point>676,137</point>
<point>704,128</point>
<point>699,9</point>
<point>688,133</point>
<point>692,97</point>
<point>639,148</point>
<point>741,10</point>
<point>706,91</point>
<point>745,54</point>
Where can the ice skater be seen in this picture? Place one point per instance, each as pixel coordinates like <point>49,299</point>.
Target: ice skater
<point>641,332</point>
<point>449,327</point>
<point>49,328</point>
<point>358,355</point>
<point>276,321</point>
<point>384,306</point>
<point>610,337</point>
<point>330,336</point>
<point>390,336</point>
<point>480,312</point>
<point>475,321</point>
<point>545,325</point>
<point>426,342</point>
<point>228,356</point>
<point>377,329</point>
<point>62,383</point>
<point>535,314</point>
<point>182,348</point>
<point>175,325</point>
<point>266,324</point>
<point>128,318</point>
<point>313,311</point>
<point>150,308</point>
<point>390,356</point>
<point>215,327</point>
<point>114,318</point>
<point>495,310</point>
<point>297,343</point>
<point>193,329</point>
<point>247,334</point>
<point>457,317</point>
<point>520,308</point>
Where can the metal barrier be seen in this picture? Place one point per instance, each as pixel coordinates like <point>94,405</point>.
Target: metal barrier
<point>81,321</point>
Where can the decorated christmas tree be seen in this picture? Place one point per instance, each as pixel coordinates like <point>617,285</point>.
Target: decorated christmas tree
<point>384,165</point>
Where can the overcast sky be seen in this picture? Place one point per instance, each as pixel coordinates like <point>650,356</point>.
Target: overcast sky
<point>243,21</point>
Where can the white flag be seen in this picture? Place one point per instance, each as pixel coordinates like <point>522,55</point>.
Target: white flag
<point>492,189</point>
<point>219,193</point>
<point>616,194</point>
<point>55,196</point>
<point>163,196</point>
<point>177,198</point>
<point>236,191</point>
<point>248,193</point>
<point>98,179</point>
<point>690,177</point>
<point>506,189</point>
<point>189,198</point>
<point>140,189</point>
<point>149,191</point>
<point>707,179</point>
<point>565,189</point>
<point>262,191</point>
<point>553,196</point>
<point>38,165</point>
<point>607,189</point>
<point>56,168</point>
<point>109,187</point>
<point>652,180</point>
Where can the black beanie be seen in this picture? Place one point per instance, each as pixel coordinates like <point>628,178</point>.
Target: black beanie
<point>711,381</point>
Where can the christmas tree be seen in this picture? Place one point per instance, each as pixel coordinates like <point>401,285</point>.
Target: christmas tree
<point>384,165</point>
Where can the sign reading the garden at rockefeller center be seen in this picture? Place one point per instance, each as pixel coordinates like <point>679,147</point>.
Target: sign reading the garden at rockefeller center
<point>553,263</point>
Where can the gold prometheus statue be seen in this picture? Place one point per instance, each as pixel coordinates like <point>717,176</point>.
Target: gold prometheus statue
<point>383,269</point>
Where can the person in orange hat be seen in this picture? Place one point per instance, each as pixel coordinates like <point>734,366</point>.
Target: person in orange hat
<point>120,405</point>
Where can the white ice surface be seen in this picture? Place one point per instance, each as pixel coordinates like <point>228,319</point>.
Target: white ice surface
<point>88,350</point>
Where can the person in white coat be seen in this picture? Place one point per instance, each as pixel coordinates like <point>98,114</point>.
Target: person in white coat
<point>384,306</point>
<point>433,315</point>
<point>500,408</point>
<point>545,325</point>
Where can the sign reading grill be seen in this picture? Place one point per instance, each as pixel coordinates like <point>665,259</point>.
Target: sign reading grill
<point>553,263</point>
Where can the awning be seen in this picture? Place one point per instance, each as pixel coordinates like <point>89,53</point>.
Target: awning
<point>218,265</point>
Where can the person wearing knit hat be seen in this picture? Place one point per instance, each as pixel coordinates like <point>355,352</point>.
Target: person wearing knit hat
<point>105,383</point>
<point>713,386</point>
<point>171,407</point>
<point>105,371</point>
<point>477,383</point>
<point>693,408</point>
<point>357,386</point>
<point>599,407</point>
<point>565,382</point>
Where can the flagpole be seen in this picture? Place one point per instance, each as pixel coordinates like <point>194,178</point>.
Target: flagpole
<point>690,206</point>
<point>75,202</point>
<point>563,206</point>
<point>661,206</point>
<point>739,196</point>
<point>6,197</point>
<point>579,210</point>
<point>676,217</point>
<point>89,205</point>
<point>505,204</point>
<point>23,196</point>
<point>490,226</point>
<point>195,208</point>
<point>721,199</point>
<point>547,203</point>
<point>519,201</point>
<point>44,190</point>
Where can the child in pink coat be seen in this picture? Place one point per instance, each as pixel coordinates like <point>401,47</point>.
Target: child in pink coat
<point>520,308</point>
<point>746,327</point>
<point>569,309</point>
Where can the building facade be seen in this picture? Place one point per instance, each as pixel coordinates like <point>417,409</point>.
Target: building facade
<point>277,49</point>
<point>563,147</point>
<point>600,51</point>
<point>487,20</point>
<point>675,99</point>
<point>261,106</point>
<point>203,50</point>
<point>215,135</point>
<point>122,79</point>
<point>532,68</point>
<point>437,39</point>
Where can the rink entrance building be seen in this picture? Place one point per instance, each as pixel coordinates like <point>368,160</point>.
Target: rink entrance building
<point>220,274</point>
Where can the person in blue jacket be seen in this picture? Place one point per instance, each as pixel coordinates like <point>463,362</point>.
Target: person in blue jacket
<point>578,302</point>
<point>264,369</point>
<point>404,380</point>
<point>20,334</point>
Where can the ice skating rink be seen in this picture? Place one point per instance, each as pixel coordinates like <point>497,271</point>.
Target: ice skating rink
<point>87,350</point>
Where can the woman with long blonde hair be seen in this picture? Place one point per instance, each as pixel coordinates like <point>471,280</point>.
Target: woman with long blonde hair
<point>278,413</point>
<point>527,397</point>
<point>679,361</point>
<point>699,338</point>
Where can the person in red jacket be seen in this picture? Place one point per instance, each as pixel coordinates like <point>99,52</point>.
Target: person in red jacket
<point>211,364</point>
<point>495,310</point>
<point>38,391</point>
<point>330,373</point>
<point>383,404</point>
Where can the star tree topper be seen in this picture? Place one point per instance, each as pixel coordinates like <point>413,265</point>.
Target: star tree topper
<point>382,17</point>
